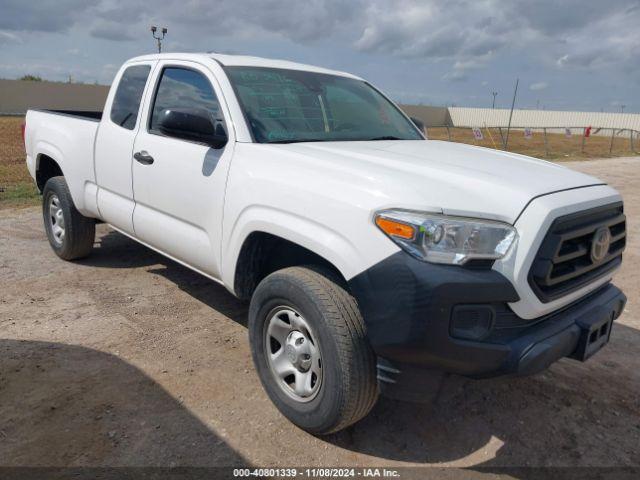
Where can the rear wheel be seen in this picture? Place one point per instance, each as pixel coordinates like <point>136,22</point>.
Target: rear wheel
<point>310,349</point>
<point>71,235</point>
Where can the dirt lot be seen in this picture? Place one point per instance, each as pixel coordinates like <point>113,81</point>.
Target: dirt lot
<point>128,359</point>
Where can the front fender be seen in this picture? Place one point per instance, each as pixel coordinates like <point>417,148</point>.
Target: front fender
<point>347,255</point>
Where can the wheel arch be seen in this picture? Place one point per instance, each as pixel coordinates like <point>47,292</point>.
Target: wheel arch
<point>263,253</point>
<point>48,164</point>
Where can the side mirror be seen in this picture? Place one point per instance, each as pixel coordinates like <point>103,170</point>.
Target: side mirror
<point>193,124</point>
<point>418,123</point>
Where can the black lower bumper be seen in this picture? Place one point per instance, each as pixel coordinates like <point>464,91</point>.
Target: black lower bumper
<point>408,308</point>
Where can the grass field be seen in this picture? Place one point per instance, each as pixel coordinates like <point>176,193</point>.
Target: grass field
<point>558,146</point>
<point>17,188</point>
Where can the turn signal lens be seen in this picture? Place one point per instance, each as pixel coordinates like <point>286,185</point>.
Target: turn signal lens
<point>396,229</point>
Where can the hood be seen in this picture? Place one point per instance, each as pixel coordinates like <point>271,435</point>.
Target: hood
<point>431,175</point>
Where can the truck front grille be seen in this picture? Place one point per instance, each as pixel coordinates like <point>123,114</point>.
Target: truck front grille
<point>568,260</point>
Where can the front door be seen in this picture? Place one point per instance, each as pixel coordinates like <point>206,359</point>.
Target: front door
<point>179,184</point>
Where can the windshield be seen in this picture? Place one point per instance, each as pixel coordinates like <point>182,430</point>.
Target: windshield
<point>286,106</point>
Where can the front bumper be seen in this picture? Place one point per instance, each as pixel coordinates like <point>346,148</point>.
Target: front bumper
<point>407,306</point>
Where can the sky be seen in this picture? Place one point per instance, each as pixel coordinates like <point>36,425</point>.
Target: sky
<point>568,54</point>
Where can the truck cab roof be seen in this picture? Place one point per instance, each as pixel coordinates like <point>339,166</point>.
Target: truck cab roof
<point>240,60</point>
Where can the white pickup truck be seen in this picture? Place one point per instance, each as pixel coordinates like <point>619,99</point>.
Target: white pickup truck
<point>373,258</point>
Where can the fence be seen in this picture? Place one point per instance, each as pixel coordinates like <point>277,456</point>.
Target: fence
<point>430,116</point>
<point>17,96</point>
<point>479,117</point>
<point>545,142</point>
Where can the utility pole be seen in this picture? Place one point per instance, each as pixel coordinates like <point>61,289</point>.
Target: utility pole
<point>160,36</point>
<point>513,103</point>
<point>493,105</point>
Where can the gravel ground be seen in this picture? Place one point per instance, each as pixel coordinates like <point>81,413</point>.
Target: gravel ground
<point>128,359</point>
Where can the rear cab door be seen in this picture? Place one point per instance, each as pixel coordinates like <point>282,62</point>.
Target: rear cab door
<point>114,144</point>
<point>179,198</point>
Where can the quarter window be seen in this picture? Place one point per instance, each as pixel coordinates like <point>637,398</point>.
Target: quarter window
<point>124,111</point>
<point>184,89</point>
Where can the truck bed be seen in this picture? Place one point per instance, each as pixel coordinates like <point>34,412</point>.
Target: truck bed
<point>68,137</point>
<point>87,115</point>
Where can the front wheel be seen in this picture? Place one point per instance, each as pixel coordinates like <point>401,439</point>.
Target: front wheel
<point>71,235</point>
<point>310,349</point>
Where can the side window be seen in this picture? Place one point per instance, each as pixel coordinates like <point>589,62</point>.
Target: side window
<point>185,89</point>
<point>126,103</point>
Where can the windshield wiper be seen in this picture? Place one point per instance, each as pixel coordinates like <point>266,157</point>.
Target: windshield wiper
<point>300,140</point>
<point>386,137</point>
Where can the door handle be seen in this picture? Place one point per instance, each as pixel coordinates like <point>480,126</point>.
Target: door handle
<point>143,157</point>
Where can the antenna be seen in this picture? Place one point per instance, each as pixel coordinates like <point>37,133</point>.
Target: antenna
<point>160,36</point>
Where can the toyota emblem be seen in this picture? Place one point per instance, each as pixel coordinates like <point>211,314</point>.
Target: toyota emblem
<point>600,244</point>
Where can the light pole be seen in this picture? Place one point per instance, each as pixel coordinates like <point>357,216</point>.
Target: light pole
<point>160,36</point>
<point>622,108</point>
<point>513,104</point>
<point>493,105</point>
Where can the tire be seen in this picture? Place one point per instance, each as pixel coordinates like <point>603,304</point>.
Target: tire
<point>313,301</point>
<point>71,235</point>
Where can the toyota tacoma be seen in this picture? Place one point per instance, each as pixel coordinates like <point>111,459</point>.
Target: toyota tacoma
<point>372,257</point>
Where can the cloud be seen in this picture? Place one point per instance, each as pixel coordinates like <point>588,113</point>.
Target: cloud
<point>44,15</point>
<point>609,43</point>
<point>461,68</point>
<point>47,70</point>
<point>8,37</point>
<point>446,43</point>
<point>307,21</point>
<point>556,19</point>
<point>431,29</point>
<point>538,86</point>
<point>562,61</point>
<point>299,21</point>
<point>463,30</point>
<point>561,33</point>
<point>111,31</point>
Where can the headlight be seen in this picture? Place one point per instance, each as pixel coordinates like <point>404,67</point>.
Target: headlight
<point>444,239</point>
